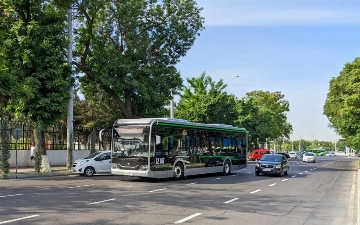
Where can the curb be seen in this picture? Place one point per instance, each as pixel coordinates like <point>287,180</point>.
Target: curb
<point>31,175</point>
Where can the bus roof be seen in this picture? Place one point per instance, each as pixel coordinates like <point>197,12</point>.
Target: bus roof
<point>178,123</point>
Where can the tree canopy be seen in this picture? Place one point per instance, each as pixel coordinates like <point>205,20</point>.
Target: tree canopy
<point>342,105</point>
<point>35,58</point>
<point>205,101</point>
<point>263,114</point>
<point>127,50</point>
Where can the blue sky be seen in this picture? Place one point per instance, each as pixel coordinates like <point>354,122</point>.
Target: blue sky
<point>292,46</point>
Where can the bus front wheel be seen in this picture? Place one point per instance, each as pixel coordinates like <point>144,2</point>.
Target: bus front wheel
<point>227,168</point>
<point>179,171</point>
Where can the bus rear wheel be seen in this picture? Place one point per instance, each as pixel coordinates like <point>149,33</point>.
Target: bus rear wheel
<point>179,171</point>
<point>227,168</point>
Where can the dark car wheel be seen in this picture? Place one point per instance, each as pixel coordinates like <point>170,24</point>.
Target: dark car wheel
<point>89,171</point>
<point>281,173</point>
<point>286,172</point>
<point>257,173</point>
<point>179,171</point>
<point>227,168</point>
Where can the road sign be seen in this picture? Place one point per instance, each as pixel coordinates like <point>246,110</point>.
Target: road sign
<point>17,133</point>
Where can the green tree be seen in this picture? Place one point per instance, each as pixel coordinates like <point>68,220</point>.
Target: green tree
<point>35,53</point>
<point>263,114</point>
<point>9,87</point>
<point>342,105</point>
<point>127,50</point>
<point>4,146</point>
<point>205,101</point>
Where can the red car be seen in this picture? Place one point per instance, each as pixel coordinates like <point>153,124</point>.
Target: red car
<point>258,153</point>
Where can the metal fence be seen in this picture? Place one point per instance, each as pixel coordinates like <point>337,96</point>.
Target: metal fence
<point>56,136</point>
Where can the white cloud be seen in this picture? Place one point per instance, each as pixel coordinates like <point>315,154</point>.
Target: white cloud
<point>279,12</point>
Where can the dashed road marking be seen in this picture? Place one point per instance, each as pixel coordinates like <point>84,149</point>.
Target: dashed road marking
<point>4,196</point>
<point>22,218</point>
<point>86,185</point>
<point>192,183</point>
<point>102,201</point>
<point>272,184</point>
<point>231,200</point>
<point>187,218</point>
<point>158,190</point>
<point>284,180</point>
<point>293,176</point>
<point>255,191</point>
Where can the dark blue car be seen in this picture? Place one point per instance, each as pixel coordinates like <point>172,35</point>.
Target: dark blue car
<point>272,164</point>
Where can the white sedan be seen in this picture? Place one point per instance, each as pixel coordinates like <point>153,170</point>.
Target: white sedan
<point>309,157</point>
<point>293,155</point>
<point>331,154</point>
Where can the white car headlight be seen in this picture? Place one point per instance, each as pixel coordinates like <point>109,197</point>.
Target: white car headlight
<point>83,162</point>
<point>278,166</point>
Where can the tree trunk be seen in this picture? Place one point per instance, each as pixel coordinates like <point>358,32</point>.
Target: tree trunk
<point>43,161</point>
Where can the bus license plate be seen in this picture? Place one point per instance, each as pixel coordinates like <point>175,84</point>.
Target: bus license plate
<point>126,173</point>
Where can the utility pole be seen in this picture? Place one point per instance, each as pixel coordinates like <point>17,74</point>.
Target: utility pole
<point>70,117</point>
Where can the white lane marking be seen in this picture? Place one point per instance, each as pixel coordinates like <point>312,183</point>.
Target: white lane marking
<point>192,183</point>
<point>102,201</point>
<point>306,171</point>
<point>293,176</point>
<point>231,200</point>
<point>188,218</point>
<point>311,169</point>
<point>270,185</point>
<point>255,191</point>
<point>158,190</point>
<point>234,175</point>
<point>284,180</point>
<point>4,196</point>
<point>300,173</point>
<point>22,218</point>
<point>86,185</point>
<point>248,172</point>
<point>218,178</point>
<point>297,163</point>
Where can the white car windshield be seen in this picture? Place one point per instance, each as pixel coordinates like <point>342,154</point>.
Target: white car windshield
<point>92,155</point>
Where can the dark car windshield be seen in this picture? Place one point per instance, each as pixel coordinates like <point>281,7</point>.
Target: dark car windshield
<point>271,158</point>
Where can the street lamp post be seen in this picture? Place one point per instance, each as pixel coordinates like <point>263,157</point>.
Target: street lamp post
<point>172,104</point>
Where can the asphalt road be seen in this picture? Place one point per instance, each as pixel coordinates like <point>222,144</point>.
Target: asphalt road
<point>325,192</point>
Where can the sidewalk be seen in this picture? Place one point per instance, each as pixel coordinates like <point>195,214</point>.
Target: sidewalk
<point>27,172</point>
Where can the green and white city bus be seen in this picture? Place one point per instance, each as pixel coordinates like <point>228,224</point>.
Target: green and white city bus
<point>166,147</point>
<point>317,152</point>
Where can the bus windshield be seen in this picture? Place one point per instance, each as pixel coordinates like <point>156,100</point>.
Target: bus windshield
<point>131,141</point>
